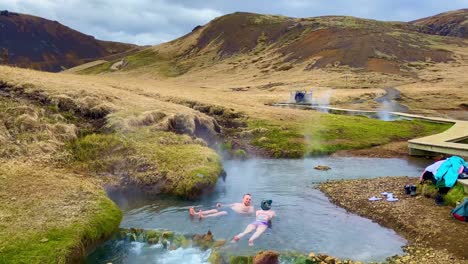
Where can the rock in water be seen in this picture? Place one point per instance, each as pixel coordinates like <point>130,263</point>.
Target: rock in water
<point>322,167</point>
<point>266,257</point>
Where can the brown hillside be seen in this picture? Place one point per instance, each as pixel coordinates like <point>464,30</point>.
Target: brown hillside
<point>453,23</point>
<point>33,42</point>
<point>278,43</point>
<point>328,41</point>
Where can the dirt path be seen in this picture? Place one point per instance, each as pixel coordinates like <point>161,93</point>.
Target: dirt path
<point>433,235</point>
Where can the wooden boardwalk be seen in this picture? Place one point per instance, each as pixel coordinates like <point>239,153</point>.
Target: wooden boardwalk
<point>445,142</point>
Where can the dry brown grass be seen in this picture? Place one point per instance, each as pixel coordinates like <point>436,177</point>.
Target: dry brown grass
<point>137,92</point>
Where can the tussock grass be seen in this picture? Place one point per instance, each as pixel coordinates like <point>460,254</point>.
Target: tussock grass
<point>187,166</point>
<point>49,215</point>
<point>27,130</point>
<point>160,161</point>
<point>99,152</point>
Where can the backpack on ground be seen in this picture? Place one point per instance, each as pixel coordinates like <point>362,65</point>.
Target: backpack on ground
<point>461,211</point>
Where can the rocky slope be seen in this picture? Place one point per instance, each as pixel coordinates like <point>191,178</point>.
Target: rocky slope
<point>33,42</point>
<point>453,24</point>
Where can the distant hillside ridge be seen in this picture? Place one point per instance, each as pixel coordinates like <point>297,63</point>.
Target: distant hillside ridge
<point>279,43</point>
<point>452,23</point>
<point>33,42</point>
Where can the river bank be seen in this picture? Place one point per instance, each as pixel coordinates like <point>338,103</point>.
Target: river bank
<point>433,235</point>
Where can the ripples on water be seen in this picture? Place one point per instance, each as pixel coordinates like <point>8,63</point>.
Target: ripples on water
<point>306,220</point>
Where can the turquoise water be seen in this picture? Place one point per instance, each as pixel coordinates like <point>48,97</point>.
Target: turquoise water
<point>306,221</point>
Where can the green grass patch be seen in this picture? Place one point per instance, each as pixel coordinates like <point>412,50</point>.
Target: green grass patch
<point>100,68</point>
<point>163,64</point>
<point>50,215</point>
<point>328,133</point>
<point>183,166</point>
<point>455,195</point>
<point>279,141</point>
<point>187,166</point>
<point>241,259</point>
<point>98,152</point>
<point>58,245</point>
<point>142,58</point>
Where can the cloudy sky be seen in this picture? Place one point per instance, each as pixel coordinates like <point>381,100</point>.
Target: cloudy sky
<point>149,22</point>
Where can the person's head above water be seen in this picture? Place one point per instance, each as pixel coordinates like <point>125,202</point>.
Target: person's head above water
<point>247,199</point>
<point>266,204</point>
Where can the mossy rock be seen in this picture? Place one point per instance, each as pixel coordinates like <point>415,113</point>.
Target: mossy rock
<point>153,240</point>
<point>266,257</point>
<point>240,154</point>
<point>181,241</point>
<point>168,235</point>
<point>241,260</point>
<point>215,258</point>
<point>153,234</point>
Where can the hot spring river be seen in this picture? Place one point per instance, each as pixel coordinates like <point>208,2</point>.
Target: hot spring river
<point>306,220</point>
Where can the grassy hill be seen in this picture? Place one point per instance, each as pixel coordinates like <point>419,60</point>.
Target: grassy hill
<point>278,43</point>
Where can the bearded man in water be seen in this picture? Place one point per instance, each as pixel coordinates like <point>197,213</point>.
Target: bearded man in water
<point>245,207</point>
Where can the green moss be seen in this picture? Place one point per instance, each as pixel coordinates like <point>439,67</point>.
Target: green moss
<point>226,146</point>
<point>153,234</point>
<point>57,245</point>
<point>240,154</point>
<point>53,108</point>
<point>187,166</point>
<point>98,152</point>
<point>279,141</point>
<point>151,157</point>
<point>241,260</point>
<point>215,258</point>
<point>328,133</point>
<point>455,195</point>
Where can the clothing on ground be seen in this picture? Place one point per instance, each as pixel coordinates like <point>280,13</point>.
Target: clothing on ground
<point>448,172</point>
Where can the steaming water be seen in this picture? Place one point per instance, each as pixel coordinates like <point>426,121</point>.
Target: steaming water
<point>306,220</point>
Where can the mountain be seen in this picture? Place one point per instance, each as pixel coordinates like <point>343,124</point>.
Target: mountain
<point>278,43</point>
<point>453,23</point>
<point>34,42</point>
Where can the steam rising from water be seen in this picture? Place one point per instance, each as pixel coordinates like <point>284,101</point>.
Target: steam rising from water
<point>384,110</point>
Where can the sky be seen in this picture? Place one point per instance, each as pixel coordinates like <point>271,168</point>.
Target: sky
<point>150,22</point>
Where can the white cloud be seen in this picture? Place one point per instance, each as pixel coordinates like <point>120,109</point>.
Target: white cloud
<point>144,22</point>
<point>156,21</point>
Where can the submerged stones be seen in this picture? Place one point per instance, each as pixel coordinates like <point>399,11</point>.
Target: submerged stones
<point>169,239</point>
<point>172,241</point>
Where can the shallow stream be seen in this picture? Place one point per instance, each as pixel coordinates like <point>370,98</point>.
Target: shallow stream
<point>306,221</point>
